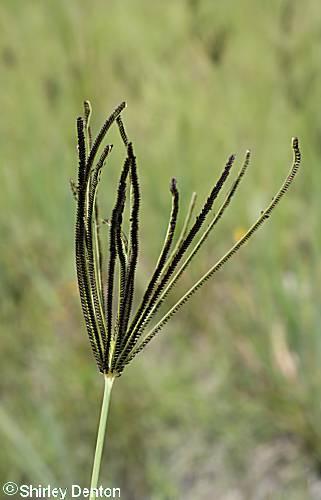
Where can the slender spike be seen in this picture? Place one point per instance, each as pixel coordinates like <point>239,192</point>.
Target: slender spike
<point>81,146</point>
<point>134,228</point>
<point>186,224</point>
<point>103,131</point>
<point>87,116</point>
<point>168,240</point>
<point>98,252</point>
<point>182,235</point>
<point>93,263</point>
<point>81,264</point>
<point>121,245</point>
<point>163,254</point>
<point>265,214</point>
<point>122,130</point>
<point>121,193</point>
<point>120,236</point>
<point>134,331</point>
<point>87,112</point>
<point>123,236</point>
<point>122,257</point>
<point>92,185</point>
<point>85,309</point>
<point>125,140</point>
<point>97,238</point>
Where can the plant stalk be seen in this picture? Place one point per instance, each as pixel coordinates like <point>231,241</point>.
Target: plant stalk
<point>101,435</point>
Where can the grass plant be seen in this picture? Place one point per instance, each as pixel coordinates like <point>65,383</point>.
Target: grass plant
<point>106,279</point>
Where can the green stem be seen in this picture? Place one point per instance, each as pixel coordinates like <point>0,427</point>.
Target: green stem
<point>101,435</point>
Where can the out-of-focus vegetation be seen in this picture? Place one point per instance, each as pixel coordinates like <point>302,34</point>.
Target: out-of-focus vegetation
<point>225,403</point>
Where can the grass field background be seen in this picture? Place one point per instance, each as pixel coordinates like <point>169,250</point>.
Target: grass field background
<point>225,403</point>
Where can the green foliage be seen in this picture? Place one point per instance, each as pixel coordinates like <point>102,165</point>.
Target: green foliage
<point>235,378</point>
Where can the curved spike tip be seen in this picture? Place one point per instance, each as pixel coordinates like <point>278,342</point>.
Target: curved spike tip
<point>173,185</point>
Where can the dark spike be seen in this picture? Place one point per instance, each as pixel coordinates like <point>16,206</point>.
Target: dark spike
<point>81,151</point>
<point>93,267</point>
<point>123,271</point>
<point>122,130</point>
<point>99,251</point>
<point>163,255</point>
<point>81,264</point>
<point>103,131</point>
<point>121,193</point>
<point>134,228</point>
<point>87,116</point>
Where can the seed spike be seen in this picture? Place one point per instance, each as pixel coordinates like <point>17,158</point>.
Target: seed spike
<point>96,232</point>
<point>81,145</point>
<point>121,246</point>
<point>122,130</point>
<point>123,264</point>
<point>182,235</point>
<point>134,245</point>
<point>98,244</point>
<point>121,193</point>
<point>94,270</point>
<point>186,224</point>
<point>163,254</point>
<point>87,117</point>
<point>100,136</point>
<point>87,111</point>
<point>81,262</point>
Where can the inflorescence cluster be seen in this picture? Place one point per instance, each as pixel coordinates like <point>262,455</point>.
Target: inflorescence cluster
<point>117,334</point>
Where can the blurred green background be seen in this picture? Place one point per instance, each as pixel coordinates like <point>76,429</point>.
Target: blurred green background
<point>225,403</point>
